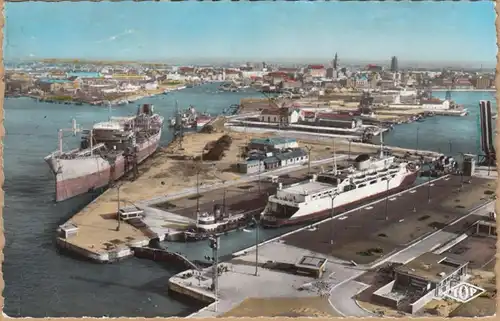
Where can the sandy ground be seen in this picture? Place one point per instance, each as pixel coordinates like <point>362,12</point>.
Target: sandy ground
<point>283,307</point>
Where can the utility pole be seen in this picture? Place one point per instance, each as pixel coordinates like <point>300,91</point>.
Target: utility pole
<point>215,245</point>
<point>197,191</point>
<point>349,153</point>
<point>334,157</point>
<point>416,147</point>
<point>429,184</point>
<point>256,247</point>
<point>309,149</point>
<point>258,174</point>
<point>118,207</point>
<point>332,214</point>
<point>387,199</point>
<point>224,198</point>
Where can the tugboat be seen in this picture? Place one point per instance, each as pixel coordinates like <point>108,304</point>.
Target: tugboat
<point>216,222</point>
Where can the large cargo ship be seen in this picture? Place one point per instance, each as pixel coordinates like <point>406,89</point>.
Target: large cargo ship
<point>107,151</point>
<point>314,199</point>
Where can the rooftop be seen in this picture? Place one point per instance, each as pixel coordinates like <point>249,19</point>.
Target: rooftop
<point>272,141</point>
<point>55,81</point>
<point>296,152</point>
<point>311,262</point>
<point>271,112</point>
<point>430,266</point>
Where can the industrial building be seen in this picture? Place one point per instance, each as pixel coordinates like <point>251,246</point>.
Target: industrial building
<point>419,281</point>
<point>259,161</point>
<point>270,144</point>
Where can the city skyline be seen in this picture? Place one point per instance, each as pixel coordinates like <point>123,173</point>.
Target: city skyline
<point>277,31</point>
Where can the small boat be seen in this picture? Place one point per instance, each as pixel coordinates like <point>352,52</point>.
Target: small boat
<point>216,222</point>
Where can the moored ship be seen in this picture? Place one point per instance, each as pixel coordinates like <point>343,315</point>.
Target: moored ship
<point>314,199</point>
<point>107,151</point>
<point>216,222</point>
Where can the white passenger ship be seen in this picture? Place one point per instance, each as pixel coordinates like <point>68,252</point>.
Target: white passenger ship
<point>313,200</point>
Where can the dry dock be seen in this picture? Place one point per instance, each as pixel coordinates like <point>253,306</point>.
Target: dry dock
<point>368,236</point>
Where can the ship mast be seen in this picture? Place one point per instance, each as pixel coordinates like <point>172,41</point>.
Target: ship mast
<point>74,129</point>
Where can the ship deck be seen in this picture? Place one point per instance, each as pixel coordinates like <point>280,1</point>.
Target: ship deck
<point>368,233</point>
<point>308,188</point>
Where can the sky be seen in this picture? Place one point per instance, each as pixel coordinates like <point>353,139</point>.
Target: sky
<point>432,32</point>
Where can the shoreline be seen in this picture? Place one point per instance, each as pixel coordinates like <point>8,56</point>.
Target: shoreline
<point>127,99</point>
<point>464,90</point>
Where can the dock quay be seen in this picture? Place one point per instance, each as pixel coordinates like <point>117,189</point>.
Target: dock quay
<point>164,256</point>
<point>96,234</point>
<point>354,242</point>
<point>326,139</point>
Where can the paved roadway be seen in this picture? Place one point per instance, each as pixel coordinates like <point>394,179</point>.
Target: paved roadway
<point>374,227</point>
<point>341,296</point>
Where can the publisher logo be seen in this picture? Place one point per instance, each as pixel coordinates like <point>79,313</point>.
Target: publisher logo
<point>464,292</point>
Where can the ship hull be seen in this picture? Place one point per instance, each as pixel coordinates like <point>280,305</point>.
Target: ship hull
<point>315,216</point>
<point>82,175</point>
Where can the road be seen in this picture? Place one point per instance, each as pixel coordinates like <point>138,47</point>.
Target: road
<point>341,296</point>
<point>409,216</point>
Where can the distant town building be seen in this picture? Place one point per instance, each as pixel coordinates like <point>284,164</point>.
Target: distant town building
<point>463,83</point>
<point>276,77</point>
<point>394,64</point>
<point>482,83</point>
<point>373,68</point>
<point>56,85</point>
<point>316,71</point>
<point>232,74</point>
<point>270,115</point>
<point>330,72</point>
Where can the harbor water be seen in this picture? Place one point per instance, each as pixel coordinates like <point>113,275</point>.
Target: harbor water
<point>41,282</point>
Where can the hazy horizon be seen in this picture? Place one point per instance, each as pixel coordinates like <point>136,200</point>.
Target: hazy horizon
<point>418,33</point>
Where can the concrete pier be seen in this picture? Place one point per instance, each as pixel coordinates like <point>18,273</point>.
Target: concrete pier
<point>412,227</point>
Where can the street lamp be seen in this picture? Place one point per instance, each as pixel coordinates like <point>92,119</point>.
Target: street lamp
<point>118,186</point>
<point>429,183</point>
<point>387,199</point>
<point>309,148</point>
<point>416,147</point>
<point>332,214</point>
<point>349,153</point>
<point>214,243</point>
<point>197,192</point>
<point>258,175</point>
<point>224,198</point>
<point>256,246</point>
